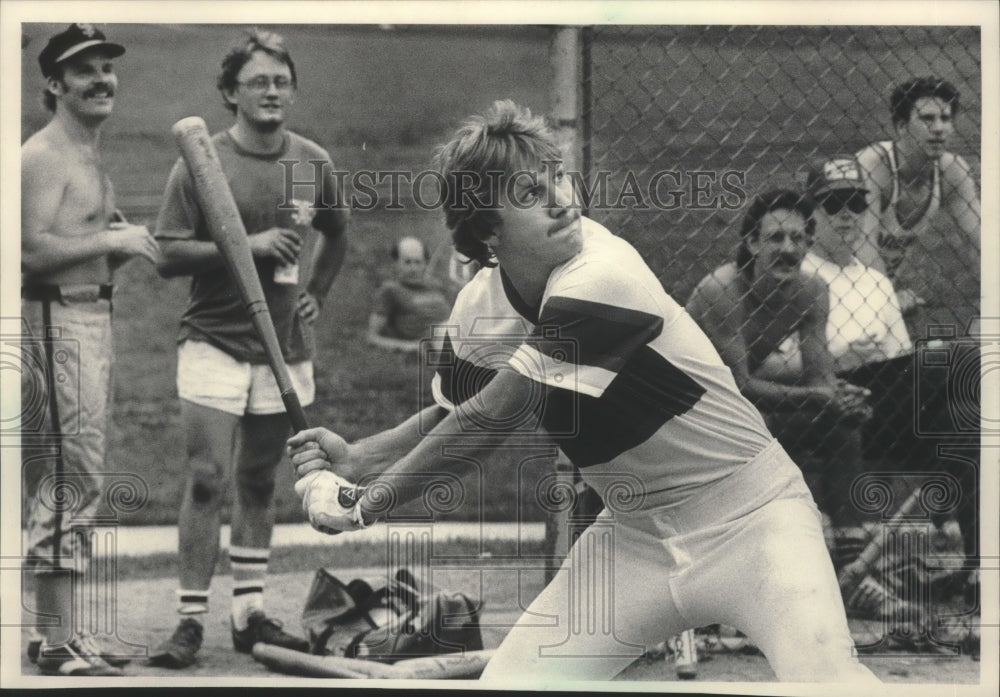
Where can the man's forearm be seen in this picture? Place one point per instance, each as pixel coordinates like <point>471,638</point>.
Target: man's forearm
<point>408,477</point>
<point>44,253</point>
<point>186,257</point>
<point>375,454</point>
<point>774,396</point>
<point>329,258</point>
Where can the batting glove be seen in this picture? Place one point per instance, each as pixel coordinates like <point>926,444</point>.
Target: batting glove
<point>330,501</point>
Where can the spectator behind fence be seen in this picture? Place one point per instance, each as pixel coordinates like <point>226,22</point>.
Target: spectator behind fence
<point>408,305</point>
<point>868,340</point>
<point>923,222</point>
<point>760,312</point>
<point>864,323</point>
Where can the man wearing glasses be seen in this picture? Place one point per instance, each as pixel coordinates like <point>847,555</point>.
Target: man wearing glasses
<point>231,408</point>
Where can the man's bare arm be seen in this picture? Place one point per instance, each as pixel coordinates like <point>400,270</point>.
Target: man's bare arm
<point>329,257</point>
<point>962,199</point>
<point>43,251</point>
<point>873,169</point>
<point>817,363</point>
<point>408,477</point>
<point>715,308</point>
<point>376,323</point>
<point>185,256</point>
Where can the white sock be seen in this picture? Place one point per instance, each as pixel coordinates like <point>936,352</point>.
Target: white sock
<point>249,572</point>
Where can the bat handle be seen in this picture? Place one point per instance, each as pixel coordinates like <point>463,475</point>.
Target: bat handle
<point>296,414</point>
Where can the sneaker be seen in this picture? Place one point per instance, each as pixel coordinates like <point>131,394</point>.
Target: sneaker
<point>73,658</point>
<point>34,647</point>
<point>95,648</point>
<point>262,628</point>
<point>179,650</point>
<point>89,644</point>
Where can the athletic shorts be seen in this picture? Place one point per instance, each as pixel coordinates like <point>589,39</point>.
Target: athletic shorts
<point>212,378</point>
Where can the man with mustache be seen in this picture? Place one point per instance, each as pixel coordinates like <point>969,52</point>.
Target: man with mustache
<point>234,419</point>
<point>565,338</point>
<point>923,221</point>
<point>72,240</point>
<point>768,322</point>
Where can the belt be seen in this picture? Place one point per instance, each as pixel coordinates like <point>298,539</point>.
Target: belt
<point>45,291</point>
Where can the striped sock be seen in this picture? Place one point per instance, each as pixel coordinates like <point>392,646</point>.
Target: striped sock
<point>191,603</point>
<point>249,571</point>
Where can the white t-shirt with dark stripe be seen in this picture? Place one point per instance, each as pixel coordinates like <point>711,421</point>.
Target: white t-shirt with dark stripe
<point>636,389</point>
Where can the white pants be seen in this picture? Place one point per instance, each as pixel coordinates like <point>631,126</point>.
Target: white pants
<point>747,552</point>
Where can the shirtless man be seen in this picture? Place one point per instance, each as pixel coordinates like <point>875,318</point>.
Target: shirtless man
<point>72,239</point>
<point>924,217</point>
<point>760,312</point>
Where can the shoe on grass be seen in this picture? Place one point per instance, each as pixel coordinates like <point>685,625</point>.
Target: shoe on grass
<point>179,650</point>
<point>76,658</point>
<point>261,628</point>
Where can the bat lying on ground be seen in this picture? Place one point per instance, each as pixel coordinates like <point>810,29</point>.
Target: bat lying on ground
<point>865,561</point>
<point>451,666</point>
<point>227,231</point>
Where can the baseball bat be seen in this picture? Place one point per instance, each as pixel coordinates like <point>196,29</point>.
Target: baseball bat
<point>447,666</point>
<point>292,662</point>
<point>227,231</point>
<point>857,569</point>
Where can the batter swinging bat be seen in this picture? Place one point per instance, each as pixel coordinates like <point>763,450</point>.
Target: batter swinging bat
<point>226,228</point>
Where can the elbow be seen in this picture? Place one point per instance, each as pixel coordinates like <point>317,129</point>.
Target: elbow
<point>31,263</point>
<point>166,268</point>
<point>168,265</point>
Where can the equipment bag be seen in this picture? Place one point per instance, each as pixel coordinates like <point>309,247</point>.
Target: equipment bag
<point>389,621</point>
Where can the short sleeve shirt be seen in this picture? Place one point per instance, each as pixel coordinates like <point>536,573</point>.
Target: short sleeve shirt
<point>215,312</point>
<point>636,389</point>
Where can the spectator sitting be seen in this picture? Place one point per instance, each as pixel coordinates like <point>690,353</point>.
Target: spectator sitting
<point>408,305</point>
<point>753,308</point>
<point>864,324</point>
<point>867,337</point>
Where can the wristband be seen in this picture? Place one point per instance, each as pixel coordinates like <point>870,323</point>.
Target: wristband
<point>351,498</point>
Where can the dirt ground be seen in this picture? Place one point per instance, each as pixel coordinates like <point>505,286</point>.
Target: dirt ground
<point>145,614</point>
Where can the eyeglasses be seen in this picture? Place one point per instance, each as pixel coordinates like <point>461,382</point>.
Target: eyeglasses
<point>835,201</point>
<point>260,83</point>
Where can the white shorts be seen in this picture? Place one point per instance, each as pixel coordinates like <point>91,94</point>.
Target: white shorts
<point>213,378</point>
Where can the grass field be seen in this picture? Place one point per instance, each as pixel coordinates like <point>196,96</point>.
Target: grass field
<point>377,99</point>
<point>381,98</point>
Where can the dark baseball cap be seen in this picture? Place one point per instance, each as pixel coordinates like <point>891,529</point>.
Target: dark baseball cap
<point>78,37</point>
<point>840,172</point>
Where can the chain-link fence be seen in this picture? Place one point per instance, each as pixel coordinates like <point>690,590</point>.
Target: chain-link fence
<point>682,127</point>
